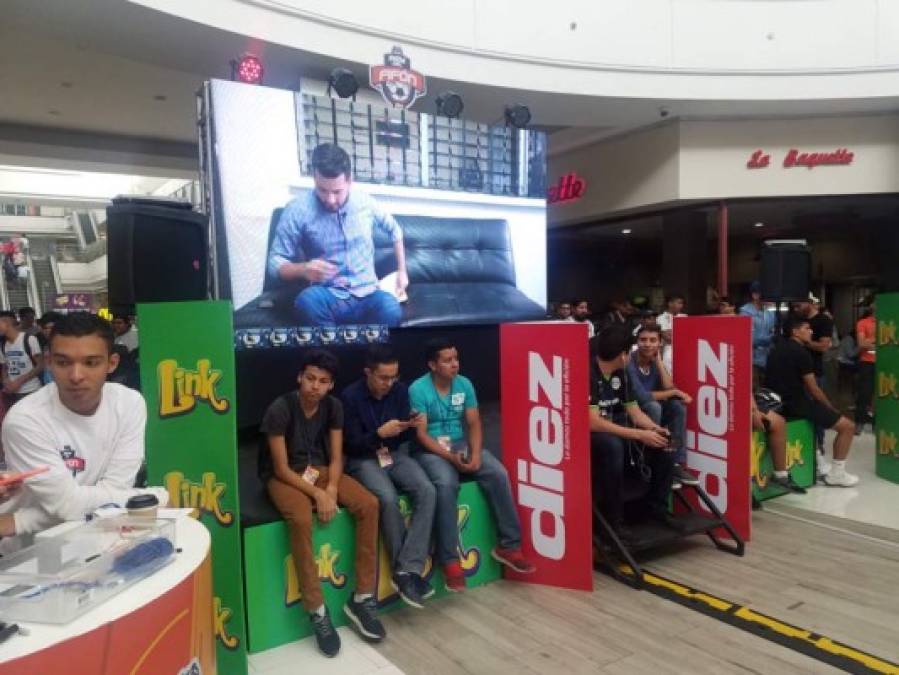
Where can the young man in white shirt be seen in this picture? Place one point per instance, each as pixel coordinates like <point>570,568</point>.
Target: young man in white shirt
<point>674,307</point>
<point>22,358</point>
<point>89,432</point>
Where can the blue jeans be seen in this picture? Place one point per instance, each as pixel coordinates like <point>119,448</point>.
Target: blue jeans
<point>494,481</point>
<point>671,414</point>
<point>317,306</point>
<point>407,549</point>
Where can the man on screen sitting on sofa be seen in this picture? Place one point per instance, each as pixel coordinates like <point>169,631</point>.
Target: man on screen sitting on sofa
<point>325,238</point>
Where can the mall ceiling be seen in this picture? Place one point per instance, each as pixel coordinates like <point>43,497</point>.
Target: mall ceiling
<point>113,68</point>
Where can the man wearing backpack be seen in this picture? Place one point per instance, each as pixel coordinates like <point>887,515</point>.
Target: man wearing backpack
<point>22,360</point>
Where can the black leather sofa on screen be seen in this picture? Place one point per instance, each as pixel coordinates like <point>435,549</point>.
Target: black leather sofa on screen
<point>461,271</point>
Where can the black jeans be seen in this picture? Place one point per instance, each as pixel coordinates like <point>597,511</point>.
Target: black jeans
<point>865,392</point>
<point>612,462</point>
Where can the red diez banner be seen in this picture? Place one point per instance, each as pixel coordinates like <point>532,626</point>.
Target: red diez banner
<point>713,364</point>
<point>546,447</point>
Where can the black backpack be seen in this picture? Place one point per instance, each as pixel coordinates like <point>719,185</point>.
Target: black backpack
<point>264,466</point>
<point>27,344</point>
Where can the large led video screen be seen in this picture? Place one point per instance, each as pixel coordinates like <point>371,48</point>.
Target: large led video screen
<point>331,213</point>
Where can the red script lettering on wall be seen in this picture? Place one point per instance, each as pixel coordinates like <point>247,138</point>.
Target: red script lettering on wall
<point>810,160</point>
<point>570,188</point>
<point>795,158</point>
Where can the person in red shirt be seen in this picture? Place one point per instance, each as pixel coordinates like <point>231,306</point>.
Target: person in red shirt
<point>866,330</point>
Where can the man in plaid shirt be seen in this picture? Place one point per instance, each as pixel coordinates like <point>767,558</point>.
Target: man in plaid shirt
<point>325,238</point>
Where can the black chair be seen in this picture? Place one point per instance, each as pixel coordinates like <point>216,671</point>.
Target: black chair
<point>619,560</point>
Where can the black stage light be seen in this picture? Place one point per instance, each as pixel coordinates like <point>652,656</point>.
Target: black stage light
<point>449,104</point>
<point>343,82</point>
<point>517,115</point>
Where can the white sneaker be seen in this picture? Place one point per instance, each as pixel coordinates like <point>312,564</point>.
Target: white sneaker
<point>822,465</point>
<point>838,477</point>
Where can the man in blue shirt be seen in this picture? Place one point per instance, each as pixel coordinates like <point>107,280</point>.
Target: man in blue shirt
<point>620,431</point>
<point>451,440</point>
<point>763,324</point>
<point>325,238</point>
<point>377,420</point>
<point>665,404</point>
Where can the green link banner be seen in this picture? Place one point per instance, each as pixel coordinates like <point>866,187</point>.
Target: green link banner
<point>886,387</point>
<point>273,596</point>
<point>188,381</point>
<point>800,460</point>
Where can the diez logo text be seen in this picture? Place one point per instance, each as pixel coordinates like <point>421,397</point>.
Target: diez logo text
<point>541,485</point>
<point>709,444</point>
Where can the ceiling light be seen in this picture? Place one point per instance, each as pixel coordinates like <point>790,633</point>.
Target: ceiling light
<point>343,83</point>
<point>248,69</point>
<point>449,104</point>
<point>759,225</point>
<point>626,230</point>
<point>517,115</point>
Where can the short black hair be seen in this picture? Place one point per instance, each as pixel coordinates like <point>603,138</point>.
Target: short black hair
<point>331,161</point>
<point>49,317</point>
<point>319,358</point>
<point>377,354</point>
<point>674,296</point>
<point>26,311</point>
<point>123,317</point>
<point>610,342</point>
<point>82,324</point>
<point>650,328</point>
<point>8,314</point>
<point>792,322</point>
<point>434,346</point>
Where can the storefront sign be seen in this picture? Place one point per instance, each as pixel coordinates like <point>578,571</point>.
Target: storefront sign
<point>188,381</point>
<point>397,83</point>
<point>796,158</point>
<point>713,364</point>
<point>545,439</point>
<point>570,188</point>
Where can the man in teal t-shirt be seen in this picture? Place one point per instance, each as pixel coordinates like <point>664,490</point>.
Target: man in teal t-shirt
<point>450,443</point>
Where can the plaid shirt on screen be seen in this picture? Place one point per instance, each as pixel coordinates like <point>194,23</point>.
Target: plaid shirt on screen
<point>307,231</point>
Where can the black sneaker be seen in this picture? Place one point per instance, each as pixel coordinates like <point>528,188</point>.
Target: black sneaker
<point>405,585</point>
<point>364,616</point>
<point>684,477</point>
<point>425,590</point>
<point>788,483</point>
<point>326,638</point>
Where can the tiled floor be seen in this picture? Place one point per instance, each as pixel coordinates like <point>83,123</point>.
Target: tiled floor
<point>872,501</point>
<point>355,658</point>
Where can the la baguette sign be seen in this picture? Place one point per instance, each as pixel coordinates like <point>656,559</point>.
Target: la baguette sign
<point>796,158</point>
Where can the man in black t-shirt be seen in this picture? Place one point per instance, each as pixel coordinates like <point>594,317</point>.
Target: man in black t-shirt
<point>621,431</point>
<point>791,374</point>
<point>822,340</point>
<point>305,469</point>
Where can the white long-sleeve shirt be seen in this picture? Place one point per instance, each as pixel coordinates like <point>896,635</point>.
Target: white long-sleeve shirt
<point>93,459</point>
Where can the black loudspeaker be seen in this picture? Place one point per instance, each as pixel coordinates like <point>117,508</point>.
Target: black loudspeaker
<point>156,251</point>
<point>786,269</point>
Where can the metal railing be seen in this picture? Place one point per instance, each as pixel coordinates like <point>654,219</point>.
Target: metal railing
<point>400,147</point>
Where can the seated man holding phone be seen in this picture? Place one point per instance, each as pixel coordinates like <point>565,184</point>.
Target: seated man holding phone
<point>80,438</point>
<point>377,420</point>
<point>451,443</point>
<point>623,436</point>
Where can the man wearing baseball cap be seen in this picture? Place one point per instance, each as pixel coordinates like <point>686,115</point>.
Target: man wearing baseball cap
<point>763,323</point>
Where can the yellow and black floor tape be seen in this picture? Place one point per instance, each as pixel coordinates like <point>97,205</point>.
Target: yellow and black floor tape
<point>811,644</point>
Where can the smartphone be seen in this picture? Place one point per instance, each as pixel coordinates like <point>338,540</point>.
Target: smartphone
<point>12,478</point>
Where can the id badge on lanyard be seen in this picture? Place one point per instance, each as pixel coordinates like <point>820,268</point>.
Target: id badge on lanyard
<point>384,457</point>
<point>310,475</point>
